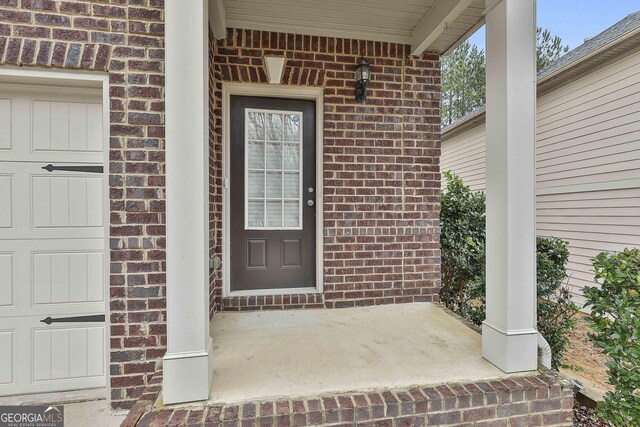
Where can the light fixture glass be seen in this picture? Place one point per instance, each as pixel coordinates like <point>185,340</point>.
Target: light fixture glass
<point>363,77</point>
<point>363,72</point>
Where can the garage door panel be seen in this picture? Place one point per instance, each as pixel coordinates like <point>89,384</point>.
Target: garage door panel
<point>52,277</point>
<point>94,128</point>
<point>55,126</point>
<point>66,126</point>
<point>6,201</point>
<point>68,277</point>
<point>6,355</point>
<point>7,278</point>
<point>78,351</point>
<point>41,358</point>
<point>56,204</point>
<point>66,201</point>
<point>68,352</point>
<point>5,124</point>
<point>53,259</point>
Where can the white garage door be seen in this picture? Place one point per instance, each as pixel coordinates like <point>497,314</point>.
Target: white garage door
<point>52,240</point>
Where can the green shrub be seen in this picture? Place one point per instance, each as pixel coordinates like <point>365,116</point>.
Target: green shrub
<point>462,219</point>
<point>615,320</point>
<point>462,239</point>
<point>555,309</point>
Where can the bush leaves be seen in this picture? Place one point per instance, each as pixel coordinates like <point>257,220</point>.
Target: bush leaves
<point>463,235</point>
<point>615,320</point>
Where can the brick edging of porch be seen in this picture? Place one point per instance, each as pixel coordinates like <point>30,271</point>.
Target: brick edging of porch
<point>541,399</point>
<point>145,402</point>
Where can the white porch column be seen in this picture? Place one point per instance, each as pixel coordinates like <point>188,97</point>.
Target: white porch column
<point>509,336</point>
<point>187,373</point>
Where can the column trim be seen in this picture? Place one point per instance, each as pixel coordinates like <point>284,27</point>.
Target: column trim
<point>185,355</point>
<point>510,351</point>
<point>509,335</point>
<point>187,364</point>
<point>511,332</point>
<point>182,379</point>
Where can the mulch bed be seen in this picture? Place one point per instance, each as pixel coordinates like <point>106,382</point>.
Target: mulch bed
<point>586,417</point>
<point>587,362</point>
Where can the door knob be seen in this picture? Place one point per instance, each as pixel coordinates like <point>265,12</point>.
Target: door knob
<point>310,203</point>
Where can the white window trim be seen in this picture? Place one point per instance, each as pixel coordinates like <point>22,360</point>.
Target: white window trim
<point>80,79</point>
<point>300,172</point>
<point>287,92</point>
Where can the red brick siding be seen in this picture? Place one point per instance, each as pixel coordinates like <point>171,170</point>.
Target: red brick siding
<point>125,39</point>
<point>534,400</point>
<point>215,184</point>
<point>381,164</point>
<point>381,161</point>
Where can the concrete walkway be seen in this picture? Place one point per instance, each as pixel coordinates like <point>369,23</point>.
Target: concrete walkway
<point>268,355</point>
<point>81,408</point>
<point>95,413</point>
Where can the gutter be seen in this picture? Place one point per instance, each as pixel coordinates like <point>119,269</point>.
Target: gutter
<point>544,352</point>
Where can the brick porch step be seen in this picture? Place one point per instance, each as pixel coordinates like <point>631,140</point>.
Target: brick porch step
<point>543,399</point>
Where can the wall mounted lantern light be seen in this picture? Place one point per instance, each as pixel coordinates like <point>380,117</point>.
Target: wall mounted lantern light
<point>363,76</point>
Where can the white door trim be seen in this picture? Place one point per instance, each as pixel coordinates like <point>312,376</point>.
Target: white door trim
<point>77,79</point>
<point>292,92</point>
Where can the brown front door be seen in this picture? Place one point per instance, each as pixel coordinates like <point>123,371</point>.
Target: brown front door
<point>273,193</point>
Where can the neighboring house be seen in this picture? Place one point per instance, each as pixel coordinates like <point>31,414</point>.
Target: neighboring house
<point>166,163</point>
<point>587,149</point>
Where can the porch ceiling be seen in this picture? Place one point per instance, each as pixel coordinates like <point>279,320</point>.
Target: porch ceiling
<point>434,25</point>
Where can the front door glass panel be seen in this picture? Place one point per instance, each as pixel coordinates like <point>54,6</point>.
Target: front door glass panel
<point>273,158</point>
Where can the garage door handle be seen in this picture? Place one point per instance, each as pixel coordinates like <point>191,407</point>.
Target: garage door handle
<point>90,169</point>
<point>96,318</point>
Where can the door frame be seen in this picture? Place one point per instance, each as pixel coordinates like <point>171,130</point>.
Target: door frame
<point>315,94</point>
<point>78,79</point>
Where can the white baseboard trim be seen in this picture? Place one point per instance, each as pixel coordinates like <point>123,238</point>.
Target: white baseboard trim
<point>515,351</point>
<point>186,376</point>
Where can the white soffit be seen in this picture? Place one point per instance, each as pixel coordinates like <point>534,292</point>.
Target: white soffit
<point>217,18</point>
<point>398,21</point>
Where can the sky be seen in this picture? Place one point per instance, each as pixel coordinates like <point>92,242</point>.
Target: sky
<point>574,20</point>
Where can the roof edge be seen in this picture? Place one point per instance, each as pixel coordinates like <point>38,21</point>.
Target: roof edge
<point>476,117</point>
<point>467,122</point>
<point>591,55</point>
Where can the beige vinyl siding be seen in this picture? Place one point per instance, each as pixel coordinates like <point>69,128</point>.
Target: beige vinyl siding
<point>465,154</point>
<point>587,164</point>
<point>589,131</point>
<point>592,222</point>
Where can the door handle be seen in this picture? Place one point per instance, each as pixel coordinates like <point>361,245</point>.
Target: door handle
<point>90,169</point>
<point>310,203</point>
<point>96,318</point>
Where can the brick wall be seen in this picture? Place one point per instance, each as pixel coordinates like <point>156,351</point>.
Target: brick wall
<point>125,39</point>
<point>381,161</point>
<point>381,164</point>
<point>215,184</point>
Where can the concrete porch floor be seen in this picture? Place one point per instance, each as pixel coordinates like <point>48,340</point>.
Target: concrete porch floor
<point>295,353</point>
